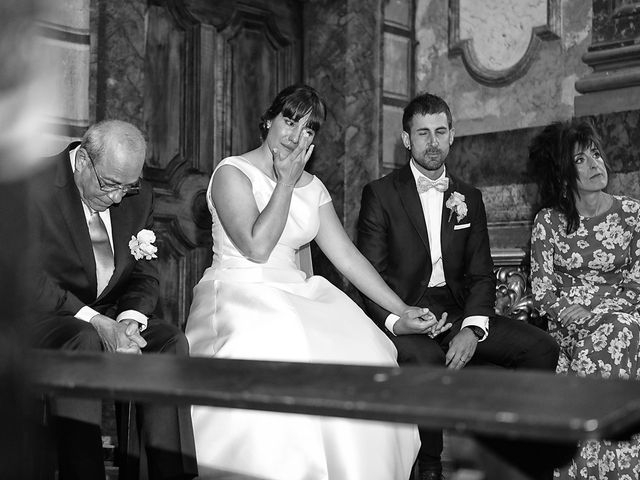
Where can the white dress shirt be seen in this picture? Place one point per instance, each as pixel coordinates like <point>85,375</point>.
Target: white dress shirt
<point>86,313</point>
<point>431,202</point>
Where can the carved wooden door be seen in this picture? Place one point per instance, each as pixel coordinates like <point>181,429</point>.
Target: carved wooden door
<point>211,69</point>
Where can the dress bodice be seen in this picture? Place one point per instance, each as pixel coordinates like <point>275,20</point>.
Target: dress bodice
<point>597,266</point>
<point>302,224</point>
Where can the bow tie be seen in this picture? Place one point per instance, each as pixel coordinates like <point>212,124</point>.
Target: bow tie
<point>424,184</point>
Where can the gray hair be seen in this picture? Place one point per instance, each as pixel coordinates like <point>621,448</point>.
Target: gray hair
<point>110,133</point>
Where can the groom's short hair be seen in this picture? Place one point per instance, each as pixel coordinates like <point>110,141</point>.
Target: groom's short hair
<point>425,104</point>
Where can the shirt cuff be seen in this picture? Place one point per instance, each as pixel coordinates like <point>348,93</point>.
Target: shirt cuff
<point>134,315</point>
<point>391,320</point>
<point>86,314</point>
<point>477,321</point>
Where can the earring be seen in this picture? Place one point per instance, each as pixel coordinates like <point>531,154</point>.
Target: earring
<point>268,123</point>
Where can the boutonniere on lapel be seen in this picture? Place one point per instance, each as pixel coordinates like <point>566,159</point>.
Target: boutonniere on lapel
<point>141,245</point>
<point>456,205</point>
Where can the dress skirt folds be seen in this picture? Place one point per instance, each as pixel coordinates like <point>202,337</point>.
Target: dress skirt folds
<point>271,311</point>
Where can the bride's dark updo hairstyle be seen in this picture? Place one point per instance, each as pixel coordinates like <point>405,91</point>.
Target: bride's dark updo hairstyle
<point>294,102</point>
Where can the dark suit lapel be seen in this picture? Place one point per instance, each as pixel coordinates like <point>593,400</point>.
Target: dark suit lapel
<point>70,204</point>
<point>448,220</point>
<point>410,200</point>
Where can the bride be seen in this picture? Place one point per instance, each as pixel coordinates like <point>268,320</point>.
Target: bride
<point>255,303</point>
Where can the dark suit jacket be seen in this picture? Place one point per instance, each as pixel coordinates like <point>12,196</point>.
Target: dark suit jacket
<point>66,271</point>
<point>392,235</point>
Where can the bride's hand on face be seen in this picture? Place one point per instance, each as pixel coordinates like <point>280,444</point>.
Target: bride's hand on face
<point>288,169</point>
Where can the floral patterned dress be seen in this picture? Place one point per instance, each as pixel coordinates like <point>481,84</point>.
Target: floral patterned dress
<point>597,266</point>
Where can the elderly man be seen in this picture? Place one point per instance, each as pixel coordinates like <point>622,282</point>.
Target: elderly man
<point>96,290</point>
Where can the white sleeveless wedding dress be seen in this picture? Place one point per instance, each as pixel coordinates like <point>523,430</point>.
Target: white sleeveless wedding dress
<point>271,311</point>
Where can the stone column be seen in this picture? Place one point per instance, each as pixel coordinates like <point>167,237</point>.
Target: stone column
<point>614,83</point>
<point>342,50</point>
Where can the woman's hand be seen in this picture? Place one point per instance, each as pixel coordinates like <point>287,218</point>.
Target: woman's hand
<point>573,314</point>
<point>289,169</point>
<point>416,320</point>
<point>441,326</point>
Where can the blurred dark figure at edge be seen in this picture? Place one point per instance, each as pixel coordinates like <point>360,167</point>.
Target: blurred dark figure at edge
<point>19,107</point>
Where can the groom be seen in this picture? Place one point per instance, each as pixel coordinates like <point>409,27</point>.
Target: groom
<point>425,231</point>
<point>96,290</point>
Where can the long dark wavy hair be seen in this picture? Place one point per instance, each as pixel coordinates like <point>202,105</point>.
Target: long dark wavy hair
<point>552,167</point>
<point>294,102</point>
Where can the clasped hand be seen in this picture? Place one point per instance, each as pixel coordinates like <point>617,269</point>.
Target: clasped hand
<point>573,313</point>
<point>122,337</point>
<point>420,320</point>
<point>288,169</point>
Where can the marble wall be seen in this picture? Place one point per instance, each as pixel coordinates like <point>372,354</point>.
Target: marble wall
<point>342,60</point>
<point>509,68</point>
<point>119,37</point>
<point>505,71</point>
<point>497,163</point>
<point>536,93</point>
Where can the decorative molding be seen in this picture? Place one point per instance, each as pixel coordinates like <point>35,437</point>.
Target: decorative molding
<point>615,23</point>
<point>174,249</point>
<point>65,127</point>
<point>200,214</point>
<point>514,257</point>
<point>497,78</point>
<point>63,33</point>
<point>626,10</point>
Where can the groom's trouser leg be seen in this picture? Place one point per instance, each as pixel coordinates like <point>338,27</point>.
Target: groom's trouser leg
<point>167,429</point>
<point>510,344</point>
<point>422,350</point>
<point>517,345</point>
<point>76,423</point>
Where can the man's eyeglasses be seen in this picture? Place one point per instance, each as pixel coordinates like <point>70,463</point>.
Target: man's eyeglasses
<point>107,187</point>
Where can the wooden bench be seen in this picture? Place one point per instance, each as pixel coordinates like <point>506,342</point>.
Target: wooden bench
<point>488,404</point>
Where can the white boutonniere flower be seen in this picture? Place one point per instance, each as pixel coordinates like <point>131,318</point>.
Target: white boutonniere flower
<point>141,245</point>
<point>456,204</point>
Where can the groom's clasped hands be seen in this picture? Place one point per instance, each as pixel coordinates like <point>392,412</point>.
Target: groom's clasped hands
<point>421,320</point>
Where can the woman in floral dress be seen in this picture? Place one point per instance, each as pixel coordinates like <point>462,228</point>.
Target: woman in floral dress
<point>585,274</point>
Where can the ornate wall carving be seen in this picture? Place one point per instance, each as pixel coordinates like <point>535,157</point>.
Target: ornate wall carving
<point>508,31</point>
<point>613,54</point>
